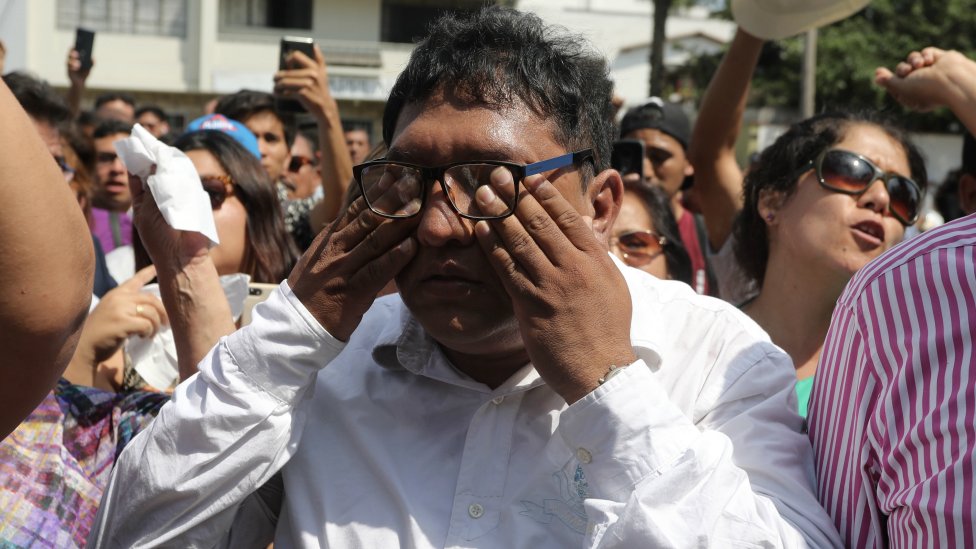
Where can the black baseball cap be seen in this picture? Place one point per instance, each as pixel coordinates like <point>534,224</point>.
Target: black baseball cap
<point>656,114</point>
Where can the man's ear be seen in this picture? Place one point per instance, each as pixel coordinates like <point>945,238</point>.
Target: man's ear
<point>605,192</point>
<point>967,193</point>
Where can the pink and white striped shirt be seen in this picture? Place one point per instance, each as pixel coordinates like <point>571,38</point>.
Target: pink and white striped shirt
<point>893,411</point>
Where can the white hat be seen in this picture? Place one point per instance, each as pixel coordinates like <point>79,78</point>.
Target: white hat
<point>775,19</point>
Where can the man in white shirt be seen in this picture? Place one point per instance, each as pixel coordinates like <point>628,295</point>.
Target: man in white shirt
<point>522,390</point>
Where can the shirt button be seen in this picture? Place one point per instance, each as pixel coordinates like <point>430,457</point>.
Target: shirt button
<point>584,455</point>
<point>497,400</point>
<point>476,511</point>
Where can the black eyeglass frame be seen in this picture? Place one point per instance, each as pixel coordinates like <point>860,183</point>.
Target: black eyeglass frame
<point>436,173</point>
<point>817,166</point>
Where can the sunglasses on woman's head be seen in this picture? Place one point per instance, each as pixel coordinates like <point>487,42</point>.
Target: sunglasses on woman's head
<point>218,187</point>
<point>850,173</point>
<point>640,247</point>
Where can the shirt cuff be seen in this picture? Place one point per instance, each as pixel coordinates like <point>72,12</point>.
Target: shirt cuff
<point>284,347</point>
<point>625,431</point>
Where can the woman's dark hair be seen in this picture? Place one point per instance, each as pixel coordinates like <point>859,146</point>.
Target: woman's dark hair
<point>498,57</point>
<point>662,217</point>
<point>270,253</point>
<point>778,170</point>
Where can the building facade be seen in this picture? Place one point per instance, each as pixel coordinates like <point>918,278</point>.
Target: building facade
<point>181,53</point>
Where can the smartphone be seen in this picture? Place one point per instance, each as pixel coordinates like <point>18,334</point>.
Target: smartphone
<point>627,157</point>
<point>84,44</point>
<point>288,45</point>
<point>256,293</point>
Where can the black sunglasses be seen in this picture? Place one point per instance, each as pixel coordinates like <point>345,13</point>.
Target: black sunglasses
<point>850,173</point>
<point>297,162</point>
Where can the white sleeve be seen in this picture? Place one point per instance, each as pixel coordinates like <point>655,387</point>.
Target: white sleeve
<point>227,431</point>
<point>742,477</point>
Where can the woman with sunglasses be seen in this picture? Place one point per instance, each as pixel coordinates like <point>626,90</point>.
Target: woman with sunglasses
<point>246,212</point>
<point>646,235</point>
<point>831,194</point>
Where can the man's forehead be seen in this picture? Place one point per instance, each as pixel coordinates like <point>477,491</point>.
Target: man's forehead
<point>464,128</point>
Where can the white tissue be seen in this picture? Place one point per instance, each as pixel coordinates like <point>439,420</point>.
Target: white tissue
<point>175,186</point>
<point>155,358</point>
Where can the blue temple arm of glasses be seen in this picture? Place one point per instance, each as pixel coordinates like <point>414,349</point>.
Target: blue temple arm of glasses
<point>551,164</point>
<point>557,162</point>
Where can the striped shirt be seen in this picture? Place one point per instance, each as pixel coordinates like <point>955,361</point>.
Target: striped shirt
<point>893,410</point>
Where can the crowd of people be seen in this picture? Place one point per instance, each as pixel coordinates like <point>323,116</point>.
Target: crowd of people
<point>480,333</point>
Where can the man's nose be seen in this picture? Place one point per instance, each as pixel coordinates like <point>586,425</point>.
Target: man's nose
<point>440,225</point>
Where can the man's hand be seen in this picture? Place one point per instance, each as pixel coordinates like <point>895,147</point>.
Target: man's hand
<point>308,83</point>
<point>571,301</point>
<point>76,75</point>
<point>348,264</point>
<point>927,79</point>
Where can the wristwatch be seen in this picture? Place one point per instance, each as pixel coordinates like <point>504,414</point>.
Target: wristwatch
<point>614,370</point>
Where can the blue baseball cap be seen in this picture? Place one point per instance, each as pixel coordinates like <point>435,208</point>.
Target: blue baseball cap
<point>233,128</point>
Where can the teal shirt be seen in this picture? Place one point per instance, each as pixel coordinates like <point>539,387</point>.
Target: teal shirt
<point>803,388</point>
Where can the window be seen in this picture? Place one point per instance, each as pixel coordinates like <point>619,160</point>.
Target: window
<point>405,21</point>
<point>280,14</point>
<point>156,17</point>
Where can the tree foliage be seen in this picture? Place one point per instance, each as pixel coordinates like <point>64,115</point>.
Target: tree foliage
<point>849,51</point>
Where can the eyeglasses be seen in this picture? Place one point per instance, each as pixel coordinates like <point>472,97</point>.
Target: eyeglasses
<point>398,189</point>
<point>66,169</point>
<point>638,248</point>
<point>219,187</point>
<point>297,162</point>
<point>850,173</point>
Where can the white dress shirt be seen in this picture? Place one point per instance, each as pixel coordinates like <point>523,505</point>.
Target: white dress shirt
<point>381,442</point>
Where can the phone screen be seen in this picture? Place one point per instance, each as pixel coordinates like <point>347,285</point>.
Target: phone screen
<point>84,44</point>
<point>288,45</point>
<point>627,157</point>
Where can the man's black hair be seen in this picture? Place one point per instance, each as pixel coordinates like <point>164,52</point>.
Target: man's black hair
<point>36,97</point>
<point>246,103</point>
<point>498,56</point>
<point>157,111</point>
<point>106,128</point>
<point>114,96</point>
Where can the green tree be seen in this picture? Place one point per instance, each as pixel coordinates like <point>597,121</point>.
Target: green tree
<point>848,52</point>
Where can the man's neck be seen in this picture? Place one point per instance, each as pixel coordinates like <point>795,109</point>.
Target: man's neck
<point>491,370</point>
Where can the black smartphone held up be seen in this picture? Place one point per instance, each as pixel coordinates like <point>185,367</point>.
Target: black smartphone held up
<point>84,44</point>
<point>628,157</point>
<point>288,45</point>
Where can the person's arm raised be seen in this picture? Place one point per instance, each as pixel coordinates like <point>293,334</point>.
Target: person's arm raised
<point>46,267</point>
<point>718,178</point>
<point>189,285</point>
<point>934,78</point>
<point>309,84</point>
<point>77,76</point>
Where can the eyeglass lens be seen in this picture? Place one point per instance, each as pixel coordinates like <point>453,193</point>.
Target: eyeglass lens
<point>845,172</point>
<point>216,189</point>
<point>397,190</point>
<point>639,247</point>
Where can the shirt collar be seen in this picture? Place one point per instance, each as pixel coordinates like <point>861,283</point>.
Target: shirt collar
<point>404,344</point>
